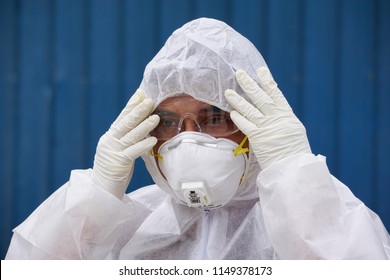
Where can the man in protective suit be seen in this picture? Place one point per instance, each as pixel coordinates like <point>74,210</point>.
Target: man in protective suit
<point>235,176</point>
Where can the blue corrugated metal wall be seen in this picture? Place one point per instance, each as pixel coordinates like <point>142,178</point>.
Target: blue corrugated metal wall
<point>68,67</point>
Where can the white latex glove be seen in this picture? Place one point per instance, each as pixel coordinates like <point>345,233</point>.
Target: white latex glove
<point>274,132</point>
<point>123,143</point>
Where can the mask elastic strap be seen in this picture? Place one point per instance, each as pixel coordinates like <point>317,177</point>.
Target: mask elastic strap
<point>240,150</point>
<point>155,155</point>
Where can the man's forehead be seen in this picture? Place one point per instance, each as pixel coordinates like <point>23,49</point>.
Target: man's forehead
<point>183,103</point>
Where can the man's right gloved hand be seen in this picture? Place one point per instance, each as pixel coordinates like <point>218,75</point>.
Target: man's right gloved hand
<point>123,143</point>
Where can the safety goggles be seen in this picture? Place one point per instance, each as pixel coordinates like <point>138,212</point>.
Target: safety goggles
<point>210,120</point>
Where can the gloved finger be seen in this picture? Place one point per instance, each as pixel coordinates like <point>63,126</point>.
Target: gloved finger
<point>271,87</point>
<point>243,124</point>
<point>258,96</point>
<point>140,131</point>
<point>244,107</point>
<point>136,150</point>
<point>132,119</point>
<point>136,99</point>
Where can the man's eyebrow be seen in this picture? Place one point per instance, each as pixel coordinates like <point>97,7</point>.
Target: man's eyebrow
<point>210,108</point>
<point>163,112</point>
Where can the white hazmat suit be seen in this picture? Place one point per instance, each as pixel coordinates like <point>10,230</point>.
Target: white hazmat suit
<point>288,207</point>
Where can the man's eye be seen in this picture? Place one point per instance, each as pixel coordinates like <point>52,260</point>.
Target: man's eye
<point>166,122</point>
<point>214,120</point>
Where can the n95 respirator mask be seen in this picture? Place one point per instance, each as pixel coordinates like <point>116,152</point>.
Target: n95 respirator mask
<point>202,171</point>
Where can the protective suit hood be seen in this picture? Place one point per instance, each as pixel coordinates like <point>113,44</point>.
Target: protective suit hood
<point>200,59</point>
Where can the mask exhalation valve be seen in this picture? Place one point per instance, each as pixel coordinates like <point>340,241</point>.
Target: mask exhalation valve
<point>195,194</point>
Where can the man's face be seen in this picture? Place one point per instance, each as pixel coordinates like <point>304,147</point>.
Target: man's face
<point>185,113</point>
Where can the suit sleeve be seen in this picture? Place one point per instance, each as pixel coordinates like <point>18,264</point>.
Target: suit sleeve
<point>309,214</point>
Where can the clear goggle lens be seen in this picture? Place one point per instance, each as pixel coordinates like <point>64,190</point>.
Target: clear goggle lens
<point>212,121</point>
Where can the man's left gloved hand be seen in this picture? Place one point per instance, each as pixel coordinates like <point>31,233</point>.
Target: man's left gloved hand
<point>274,132</point>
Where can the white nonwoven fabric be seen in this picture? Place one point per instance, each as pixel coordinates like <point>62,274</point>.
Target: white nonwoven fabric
<point>290,221</point>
